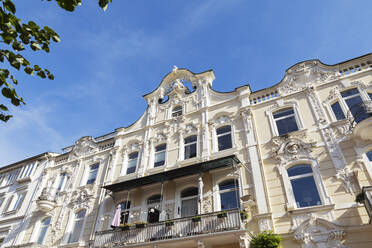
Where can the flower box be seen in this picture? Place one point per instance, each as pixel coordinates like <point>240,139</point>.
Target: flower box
<point>196,219</point>
<point>222,215</point>
<point>169,223</point>
<point>244,215</point>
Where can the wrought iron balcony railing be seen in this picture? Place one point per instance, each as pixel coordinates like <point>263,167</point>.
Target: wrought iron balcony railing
<point>171,229</point>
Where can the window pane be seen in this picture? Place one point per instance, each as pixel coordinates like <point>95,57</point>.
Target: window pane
<point>283,112</point>
<point>224,142</point>
<point>43,230</point>
<point>190,139</point>
<point>338,111</point>
<point>189,207</point>
<point>286,125</point>
<point>131,169</point>
<point>159,159</point>
<point>370,95</point>
<point>229,184</point>
<point>224,129</point>
<point>305,192</point>
<point>92,174</point>
<point>79,220</point>
<point>61,181</point>
<point>299,169</point>
<point>356,108</point>
<point>133,155</point>
<point>160,147</point>
<point>369,155</point>
<point>190,151</point>
<point>189,192</point>
<point>350,92</point>
<point>125,205</point>
<point>229,200</point>
<point>132,163</point>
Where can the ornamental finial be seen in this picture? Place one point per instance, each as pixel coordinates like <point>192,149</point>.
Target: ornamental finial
<point>175,68</point>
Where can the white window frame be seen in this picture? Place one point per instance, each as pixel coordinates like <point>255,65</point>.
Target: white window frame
<point>28,170</point>
<point>188,144</point>
<point>172,106</point>
<point>18,203</point>
<point>270,113</point>
<point>291,201</point>
<point>178,199</point>
<point>362,154</point>
<point>8,204</point>
<point>90,170</point>
<point>38,227</point>
<point>177,111</point>
<point>335,95</point>
<point>63,183</point>
<point>71,224</point>
<point>137,163</point>
<point>219,135</point>
<point>228,190</point>
<point>135,146</point>
<point>219,177</point>
<point>152,160</point>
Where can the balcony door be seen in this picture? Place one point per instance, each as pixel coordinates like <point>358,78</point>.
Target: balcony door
<point>189,202</point>
<point>153,208</point>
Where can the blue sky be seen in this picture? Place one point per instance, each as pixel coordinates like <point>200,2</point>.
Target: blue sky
<point>106,61</point>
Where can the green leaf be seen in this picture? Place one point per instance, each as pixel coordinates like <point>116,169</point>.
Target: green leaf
<point>3,107</point>
<point>7,92</point>
<point>9,6</point>
<point>50,76</point>
<point>103,4</point>
<point>56,38</point>
<point>37,68</point>
<point>35,46</point>
<point>28,70</point>
<point>41,74</point>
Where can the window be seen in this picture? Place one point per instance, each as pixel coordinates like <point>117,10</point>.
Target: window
<point>337,110</point>
<point>78,225</point>
<point>1,201</point>
<point>27,170</point>
<point>189,202</point>
<point>224,138</point>
<point>132,162</point>
<point>285,121</point>
<point>229,194</point>
<point>19,201</point>
<point>369,155</point>
<point>43,230</point>
<point>303,186</point>
<point>354,102</point>
<point>190,146</point>
<point>370,95</point>
<point>124,216</point>
<point>177,111</point>
<point>92,174</point>
<point>6,208</point>
<point>153,205</point>
<point>61,182</point>
<point>160,155</point>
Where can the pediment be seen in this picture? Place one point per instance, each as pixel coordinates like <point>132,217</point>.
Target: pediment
<point>84,146</point>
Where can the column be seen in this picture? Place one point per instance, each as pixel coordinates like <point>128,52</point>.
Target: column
<point>200,195</point>
<point>181,149</point>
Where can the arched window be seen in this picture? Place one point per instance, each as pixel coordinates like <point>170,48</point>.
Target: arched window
<point>189,202</point>
<point>177,111</point>
<point>190,146</point>
<point>132,162</point>
<point>303,185</point>
<point>160,155</point>
<point>153,206</point>
<point>224,137</point>
<point>285,120</point>
<point>229,194</point>
<point>369,155</point>
<point>43,230</point>
<point>77,228</point>
<point>124,217</point>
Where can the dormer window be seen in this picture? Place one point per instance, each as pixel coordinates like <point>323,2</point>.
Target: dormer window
<point>177,111</point>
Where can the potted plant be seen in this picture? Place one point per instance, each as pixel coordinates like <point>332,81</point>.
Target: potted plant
<point>222,214</point>
<point>196,218</point>
<point>140,224</point>
<point>266,240</point>
<point>359,198</point>
<point>125,226</point>
<point>244,215</point>
<point>169,223</point>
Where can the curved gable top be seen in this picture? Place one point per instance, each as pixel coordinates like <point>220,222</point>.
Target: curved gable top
<point>179,73</point>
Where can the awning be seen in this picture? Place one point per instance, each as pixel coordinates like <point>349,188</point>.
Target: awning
<point>175,173</point>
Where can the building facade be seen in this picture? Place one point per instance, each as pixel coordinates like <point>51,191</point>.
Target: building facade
<point>202,168</point>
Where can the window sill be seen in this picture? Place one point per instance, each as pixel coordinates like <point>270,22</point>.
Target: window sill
<point>156,169</point>
<point>223,153</point>
<point>318,208</point>
<point>188,161</point>
<point>126,177</point>
<point>10,212</point>
<point>24,179</point>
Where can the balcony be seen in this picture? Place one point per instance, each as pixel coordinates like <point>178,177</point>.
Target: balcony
<point>46,201</point>
<point>360,116</point>
<point>163,231</point>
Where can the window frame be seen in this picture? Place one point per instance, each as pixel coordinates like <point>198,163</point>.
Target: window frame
<point>18,203</point>
<point>158,152</point>
<point>87,180</point>
<point>291,201</point>
<point>189,198</point>
<point>72,225</point>
<point>189,144</point>
<point>224,134</point>
<point>333,115</point>
<point>39,228</point>
<point>175,113</point>
<point>236,189</point>
<point>281,106</point>
<point>128,160</point>
<point>283,118</point>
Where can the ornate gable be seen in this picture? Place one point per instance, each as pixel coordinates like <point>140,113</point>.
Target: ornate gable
<point>84,146</point>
